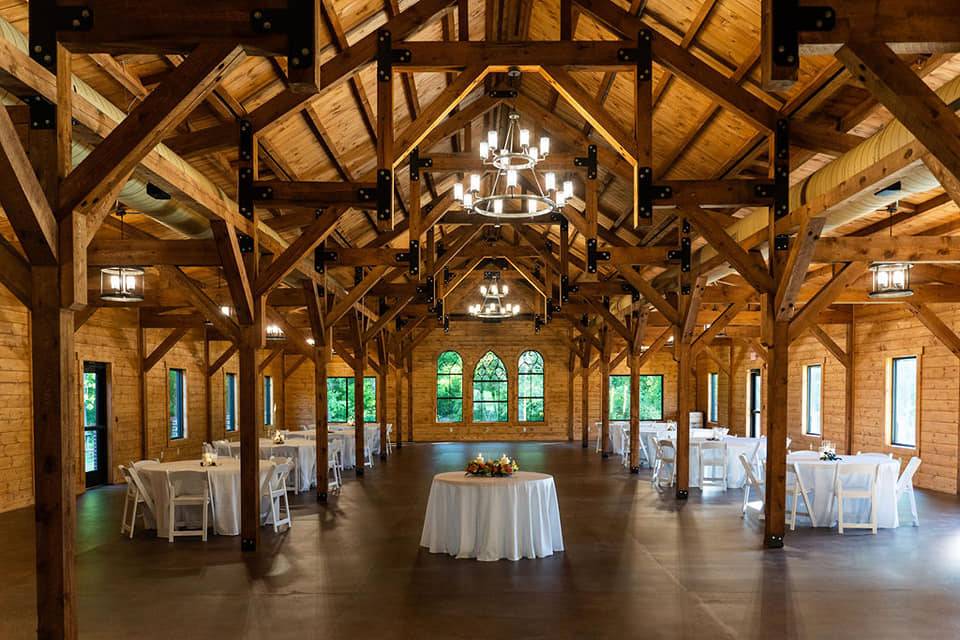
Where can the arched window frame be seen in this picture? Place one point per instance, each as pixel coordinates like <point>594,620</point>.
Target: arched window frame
<point>449,381</point>
<point>491,392</point>
<point>530,387</point>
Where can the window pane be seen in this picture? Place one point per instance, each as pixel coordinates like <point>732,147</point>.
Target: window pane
<point>230,402</point>
<point>370,399</point>
<point>449,410</point>
<point>814,391</point>
<point>712,396</point>
<point>337,399</point>
<point>619,398</point>
<point>267,400</point>
<point>651,397</point>
<point>904,402</point>
<point>490,390</point>
<point>176,402</point>
<point>531,410</point>
<point>89,400</point>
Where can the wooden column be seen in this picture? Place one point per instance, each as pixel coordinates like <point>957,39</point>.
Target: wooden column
<point>607,341</point>
<point>248,421</point>
<point>634,413</point>
<point>142,390</point>
<point>410,398</point>
<point>398,395</point>
<point>571,371</point>
<point>359,427</point>
<point>382,410</point>
<point>850,402</point>
<point>684,406</point>
<point>55,454</point>
<point>585,394</point>
<point>207,386</point>
<point>320,359</point>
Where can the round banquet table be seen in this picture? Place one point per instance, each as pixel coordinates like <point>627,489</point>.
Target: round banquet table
<point>493,518</point>
<point>818,477</point>
<point>302,451</point>
<point>224,481</point>
<point>735,446</point>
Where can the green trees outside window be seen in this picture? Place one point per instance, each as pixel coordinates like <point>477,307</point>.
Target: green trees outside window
<point>651,397</point>
<point>449,387</point>
<point>490,390</point>
<point>340,404</point>
<point>530,387</point>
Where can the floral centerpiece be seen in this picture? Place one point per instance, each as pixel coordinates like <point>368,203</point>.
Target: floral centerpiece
<point>501,467</point>
<point>278,437</point>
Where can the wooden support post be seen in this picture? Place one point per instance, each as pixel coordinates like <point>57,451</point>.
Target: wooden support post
<point>410,398</point>
<point>684,406</point>
<point>606,339</point>
<point>249,438</point>
<point>585,394</point>
<point>849,409</point>
<point>207,386</point>
<point>398,398</point>
<point>634,413</point>
<point>360,364</point>
<point>320,359</point>
<point>142,390</point>
<point>382,393</point>
<point>571,373</point>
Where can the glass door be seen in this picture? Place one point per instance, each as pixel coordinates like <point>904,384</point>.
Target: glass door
<point>95,423</point>
<point>756,403</point>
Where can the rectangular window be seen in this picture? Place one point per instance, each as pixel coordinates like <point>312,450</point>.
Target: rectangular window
<point>812,395</point>
<point>230,402</point>
<point>177,395</point>
<point>903,401</point>
<point>267,400</point>
<point>651,397</point>
<point>340,405</point>
<point>713,397</point>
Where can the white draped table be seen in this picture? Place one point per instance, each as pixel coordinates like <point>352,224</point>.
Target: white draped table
<point>818,478</point>
<point>224,481</point>
<point>735,446</point>
<point>493,518</point>
<point>303,452</point>
<point>347,437</point>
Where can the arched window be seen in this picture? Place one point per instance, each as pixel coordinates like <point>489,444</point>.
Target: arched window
<point>530,387</point>
<point>449,387</point>
<point>490,390</point>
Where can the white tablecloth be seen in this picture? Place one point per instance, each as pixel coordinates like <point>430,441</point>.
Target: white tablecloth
<point>818,479</point>
<point>347,437</point>
<point>493,518</point>
<point>617,428</point>
<point>303,452</point>
<point>735,446</point>
<point>224,480</point>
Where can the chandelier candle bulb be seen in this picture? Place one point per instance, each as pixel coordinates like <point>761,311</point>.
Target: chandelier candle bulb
<point>511,178</point>
<point>567,189</point>
<point>498,206</point>
<point>550,181</point>
<point>484,150</point>
<point>524,138</point>
<point>492,139</point>
<point>474,182</point>
<point>458,192</point>
<point>544,146</point>
<point>467,200</point>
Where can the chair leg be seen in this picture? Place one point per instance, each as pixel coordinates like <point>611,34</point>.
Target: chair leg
<point>133,518</point>
<point>746,499</point>
<point>793,510</point>
<point>286,506</point>
<point>275,511</point>
<point>206,510</point>
<point>172,522</point>
<point>123,519</point>
<point>913,507</point>
<point>840,513</point>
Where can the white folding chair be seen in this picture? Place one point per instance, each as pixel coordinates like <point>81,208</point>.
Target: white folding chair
<point>369,435</point>
<point>142,463</point>
<point>713,457</point>
<point>875,454</point>
<point>789,442</point>
<point>599,427</point>
<point>187,489</point>
<point>134,497</point>
<point>625,447</point>
<point>276,491</point>
<point>335,464</point>
<point>644,454</point>
<point>389,438</point>
<point>752,483</point>
<point>795,492</point>
<point>755,462</point>
<point>666,455</point>
<point>222,448</point>
<point>845,489</point>
<point>905,486</point>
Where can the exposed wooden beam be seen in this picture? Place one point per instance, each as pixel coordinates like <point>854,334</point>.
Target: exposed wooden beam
<point>222,360</point>
<point>234,270</point>
<point>937,327</point>
<point>825,296</point>
<point>163,348</point>
<point>796,267</point>
<point>306,242</point>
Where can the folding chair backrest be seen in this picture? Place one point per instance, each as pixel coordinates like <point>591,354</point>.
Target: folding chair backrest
<point>133,475</point>
<point>664,446</point>
<point>906,478</point>
<point>849,470</point>
<point>748,472</point>
<point>186,482</point>
<point>755,454</point>
<point>805,455</point>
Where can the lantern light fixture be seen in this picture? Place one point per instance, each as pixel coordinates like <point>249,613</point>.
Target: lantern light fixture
<point>122,284</point>
<point>891,280</point>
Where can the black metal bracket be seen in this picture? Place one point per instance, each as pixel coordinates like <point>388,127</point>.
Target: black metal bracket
<point>447,275</point>
<point>682,494</point>
<point>399,323</point>
<point>44,24</point>
<point>411,257</point>
<point>565,288</point>
<point>248,544</point>
<point>773,542</point>
<point>387,55</point>
<point>245,192</point>
<point>589,161</point>
<point>417,163</point>
<point>781,169</point>
<point>682,254</point>
<point>427,290</point>
<point>537,324</point>
<point>502,93</point>
<point>357,275</point>
<point>789,19</point>
<point>298,22</point>
<point>438,308</point>
<point>245,243</point>
<point>384,193</point>
<point>641,55</point>
<point>593,255</point>
<point>647,192</point>
<point>446,324</point>
<point>321,257</point>
<point>634,294</point>
<point>245,150</point>
<point>43,113</point>
<point>781,242</point>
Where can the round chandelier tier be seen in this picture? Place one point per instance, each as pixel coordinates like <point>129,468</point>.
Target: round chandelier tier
<point>505,197</point>
<point>891,280</point>
<point>493,306</point>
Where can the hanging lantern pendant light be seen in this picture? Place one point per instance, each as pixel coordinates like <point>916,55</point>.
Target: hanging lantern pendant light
<point>121,284</point>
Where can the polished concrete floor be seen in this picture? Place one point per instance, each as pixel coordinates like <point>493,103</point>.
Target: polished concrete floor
<point>637,564</point>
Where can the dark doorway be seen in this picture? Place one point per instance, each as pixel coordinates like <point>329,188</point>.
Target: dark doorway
<point>95,423</point>
<point>756,402</point>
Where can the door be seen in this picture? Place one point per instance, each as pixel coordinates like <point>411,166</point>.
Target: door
<point>95,423</point>
<point>756,402</point>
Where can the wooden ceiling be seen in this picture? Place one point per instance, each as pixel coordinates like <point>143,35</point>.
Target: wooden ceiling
<point>695,137</point>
